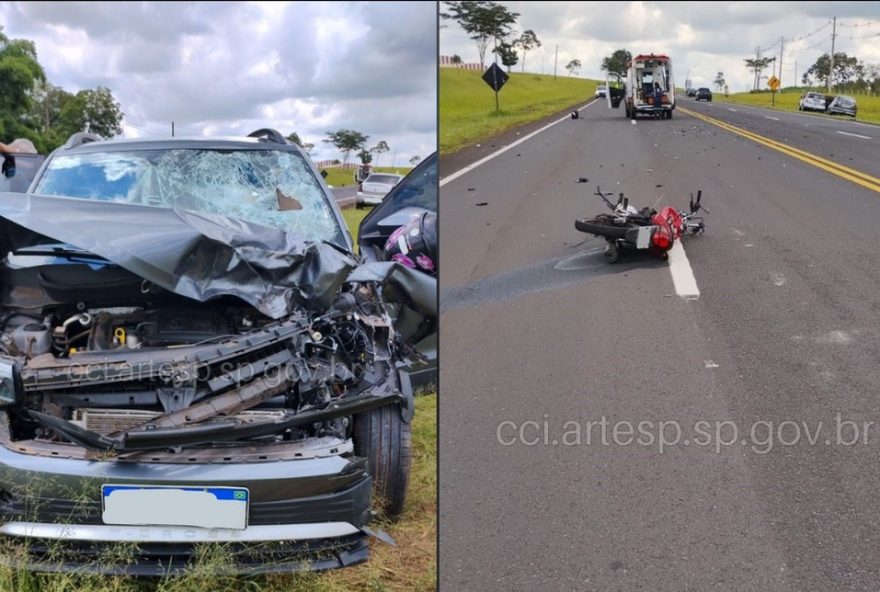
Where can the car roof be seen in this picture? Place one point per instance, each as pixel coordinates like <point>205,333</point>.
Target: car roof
<point>204,143</point>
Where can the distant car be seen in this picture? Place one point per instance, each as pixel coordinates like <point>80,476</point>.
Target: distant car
<point>704,94</point>
<point>375,188</point>
<point>691,92</point>
<point>601,90</point>
<point>812,101</point>
<point>843,105</point>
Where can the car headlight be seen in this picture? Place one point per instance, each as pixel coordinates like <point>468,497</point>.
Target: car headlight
<point>10,382</point>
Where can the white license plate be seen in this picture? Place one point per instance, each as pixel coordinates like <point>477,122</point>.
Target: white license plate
<point>206,507</point>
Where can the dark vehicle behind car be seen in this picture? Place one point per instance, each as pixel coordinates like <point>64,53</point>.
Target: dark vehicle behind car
<point>414,195</point>
<point>704,94</point>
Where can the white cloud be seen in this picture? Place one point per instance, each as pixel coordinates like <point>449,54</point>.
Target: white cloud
<point>703,38</point>
<point>228,68</point>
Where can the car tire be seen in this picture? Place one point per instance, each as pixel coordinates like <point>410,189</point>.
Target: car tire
<point>385,440</point>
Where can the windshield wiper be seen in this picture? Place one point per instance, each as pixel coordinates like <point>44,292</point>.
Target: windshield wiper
<point>57,251</point>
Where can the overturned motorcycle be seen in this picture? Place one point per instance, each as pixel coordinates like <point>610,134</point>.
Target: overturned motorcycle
<point>644,229</point>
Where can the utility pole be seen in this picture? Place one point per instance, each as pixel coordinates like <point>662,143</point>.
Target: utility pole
<point>495,74</point>
<point>795,73</point>
<point>172,129</point>
<point>757,74</point>
<point>781,51</point>
<point>555,59</point>
<point>831,69</point>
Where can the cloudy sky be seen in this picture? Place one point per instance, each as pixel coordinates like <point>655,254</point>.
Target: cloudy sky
<point>703,38</point>
<point>230,68</point>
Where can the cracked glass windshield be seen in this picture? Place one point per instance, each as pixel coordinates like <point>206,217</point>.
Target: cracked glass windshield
<point>266,187</point>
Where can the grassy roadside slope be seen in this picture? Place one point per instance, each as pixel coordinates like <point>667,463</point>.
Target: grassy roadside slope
<point>467,104</point>
<point>869,107</point>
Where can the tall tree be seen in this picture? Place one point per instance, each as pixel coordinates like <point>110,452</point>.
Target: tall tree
<point>415,160</point>
<point>482,21</point>
<point>20,72</point>
<point>294,138</point>
<point>573,67</point>
<point>507,53</point>
<point>456,59</point>
<point>846,69</point>
<point>366,156</point>
<point>527,41</point>
<point>758,65</point>
<point>381,147</point>
<point>346,141</point>
<point>719,81</point>
<point>91,110</point>
<point>47,101</point>
<point>617,62</point>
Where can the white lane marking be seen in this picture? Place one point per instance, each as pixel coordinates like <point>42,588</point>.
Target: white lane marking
<point>773,118</point>
<point>501,151</point>
<point>682,274</point>
<point>731,109</point>
<point>854,135</point>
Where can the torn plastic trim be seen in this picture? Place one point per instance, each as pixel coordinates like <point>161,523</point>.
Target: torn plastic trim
<point>210,432</point>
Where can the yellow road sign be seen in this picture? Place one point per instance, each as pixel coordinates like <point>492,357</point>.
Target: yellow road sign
<point>773,83</point>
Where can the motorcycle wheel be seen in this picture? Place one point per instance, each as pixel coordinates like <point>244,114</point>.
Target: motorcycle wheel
<point>612,253</point>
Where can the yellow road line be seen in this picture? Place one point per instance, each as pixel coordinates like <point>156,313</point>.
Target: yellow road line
<point>852,175</point>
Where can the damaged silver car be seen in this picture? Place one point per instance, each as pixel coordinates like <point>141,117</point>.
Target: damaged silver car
<point>190,352</point>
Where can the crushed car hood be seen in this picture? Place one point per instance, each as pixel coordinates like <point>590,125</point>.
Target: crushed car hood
<point>204,256</point>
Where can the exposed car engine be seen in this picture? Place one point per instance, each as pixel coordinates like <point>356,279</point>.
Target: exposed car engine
<point>120,370</point>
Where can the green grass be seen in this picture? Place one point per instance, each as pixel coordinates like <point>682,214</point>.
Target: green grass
<point>410,566</point>
<point>339,177</point>
<point>467,104</point>
<point>353,217</point>
<point>868,112</point>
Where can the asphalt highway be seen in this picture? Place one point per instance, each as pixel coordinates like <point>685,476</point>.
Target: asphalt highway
<point>557,367</point>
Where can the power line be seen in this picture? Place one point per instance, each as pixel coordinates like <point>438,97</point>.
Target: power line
<point>143,129</point>
<point>857,25</point>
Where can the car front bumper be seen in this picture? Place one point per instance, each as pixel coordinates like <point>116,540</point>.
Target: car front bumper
<point>373,199</point>
<point>307,512</point>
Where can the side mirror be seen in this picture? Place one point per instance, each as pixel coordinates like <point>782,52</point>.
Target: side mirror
<point>8,166</point>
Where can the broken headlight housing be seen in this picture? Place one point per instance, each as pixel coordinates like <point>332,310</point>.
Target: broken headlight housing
<point>9,382</point>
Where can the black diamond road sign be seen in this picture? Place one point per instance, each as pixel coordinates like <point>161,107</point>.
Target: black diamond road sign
<point>495,77</point>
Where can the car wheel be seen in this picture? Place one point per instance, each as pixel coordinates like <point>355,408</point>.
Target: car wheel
<point>385,440</point>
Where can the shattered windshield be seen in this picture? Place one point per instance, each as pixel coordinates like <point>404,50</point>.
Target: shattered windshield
<point>267,187</point>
